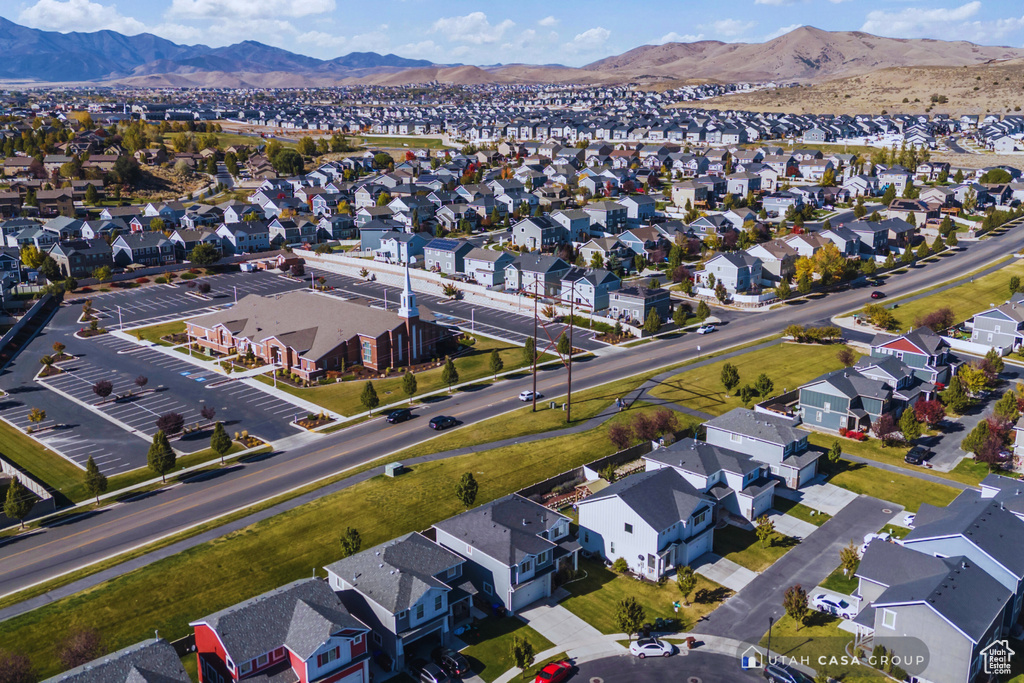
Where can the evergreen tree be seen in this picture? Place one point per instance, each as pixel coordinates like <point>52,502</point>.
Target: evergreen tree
<point>496,364</point>
<point>703,311</point>
<point>653,323</point>
<point>19,501</point>
<point>466,489</point>
<point>95,481</point>
<point>220,442</point>
<point>409,384</point>
<point>783,290</point>
<point>369,397</point>
<point>351,542</point>
<point>449,374</point>
<point>529,351</point>
<point>730,377</point>
<point>954,397</point>
<point>909,425</point>
<point>161,457</point>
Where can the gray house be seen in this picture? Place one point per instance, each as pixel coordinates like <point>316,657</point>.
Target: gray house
<point>921,349</point>
<point>400,247</point>
<point>536,274</point>
<point>770,439</point>
<point>513,548</point>
<point>1001,327</point>
<point>739,272</point>
<point>487,266</point>
<point>538,232</point>
<point>634,304</point>
<point>589,287</point>
<point>446,255</point>
<point>739,484</point>
<point>151,661</point>
<point>408,590</point>
<point>655,520</point>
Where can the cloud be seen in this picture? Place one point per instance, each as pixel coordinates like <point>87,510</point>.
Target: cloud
<point>915,22</point>
<point>474,28</point>
<point>244,8</point>
<point>424,48</point>
<point>324,40</point>
<point>548,21</point>
<point>78,15</point>
<point>673,37</point>
<point>729,28</point>
<point>781,31</point>
<point>589,41</point>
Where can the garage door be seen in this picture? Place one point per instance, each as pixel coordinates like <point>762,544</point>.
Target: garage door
<point>698,547</point>
<point>530,593</point>
<point>355,677</point>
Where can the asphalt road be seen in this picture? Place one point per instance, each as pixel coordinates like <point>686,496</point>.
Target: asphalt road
<point>64,548</point>
<point>691,666</point>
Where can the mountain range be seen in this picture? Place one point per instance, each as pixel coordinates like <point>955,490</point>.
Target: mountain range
<point>805,54</point>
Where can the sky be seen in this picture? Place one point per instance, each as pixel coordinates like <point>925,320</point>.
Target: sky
<point>566,32</point>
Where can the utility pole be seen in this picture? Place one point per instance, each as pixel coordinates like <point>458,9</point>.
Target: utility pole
<point>535,297</point>
<point>568,394</point>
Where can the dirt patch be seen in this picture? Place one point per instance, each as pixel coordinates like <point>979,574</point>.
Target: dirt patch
<point>164,183</point>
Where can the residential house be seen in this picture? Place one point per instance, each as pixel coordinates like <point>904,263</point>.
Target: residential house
<point>767,438</point>
<point>487,266</point>
<point>401,247</point>
<point>633,304</point>
<point>738,483</point>
<point>513,547</point>
<point>576,223</point>
<point>299,632</point>
<point>446,256</point>
<point>243,237</point>
<point>914,211</point>
<point>778,203</point>
<point>185,240</point>
<point>655,520</point>
<point>690,192</point>
<point>151,661</point>
<point>640,209</point>
<point>1002,327</point>
<point>143,248</point>
<point>604,248</point>
<point>410,591</point>
<point>537,274</point>
<point>921,349</point>
<point>589,287</point>
<point>738,272</point>
<point>778,261</point>
<point>538,232</point>
<point>58,202</point>
<point>609,217</point>
<point>79,258</point>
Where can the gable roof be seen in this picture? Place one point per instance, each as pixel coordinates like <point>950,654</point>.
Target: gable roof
<point>703,458</point>
<point>506,529</point>
<point>398,573</point>
<point>151,661</point>
<point>761,426</point>
<point>301,616</point>
<point>660,497</point>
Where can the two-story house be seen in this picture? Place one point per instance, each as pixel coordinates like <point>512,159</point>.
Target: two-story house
<point>767,438</point>
<point>513,547</point>
<point>609,217</point>
<point>738,272</point>
<point>921,349</point>
<point>446,256</point>
<point>151,661</point>
<point>244,237</point>
<point>146,248</point>
<point>589,287</point>
<point>575,222</point>
<point>1002,327</point>
<point>406,590</point>
<point>655,520</point>
<point>79,258</point>
<point>538,274</point>
<point>401,247</point>
<point>487,266</point>
<point>538,232</point>
<point>738,483</point>
<point>299,632</point>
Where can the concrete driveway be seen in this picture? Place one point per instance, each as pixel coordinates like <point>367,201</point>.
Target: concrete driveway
<point>823,497</point>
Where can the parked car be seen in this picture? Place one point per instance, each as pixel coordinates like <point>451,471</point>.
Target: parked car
<point>650,647</point>
<point>442,422</point>
<point>877,295</point>
<point>527,395</point>
<point>779,673</point>
<point>908,520</point>
<point>428,672</point>
<point>871,537</point>
<point>555,672</point>
<point>705,329</point>
<point>840,608</point>
<point>400,415</point>
<point>917,455</point>
<point>453,663</point>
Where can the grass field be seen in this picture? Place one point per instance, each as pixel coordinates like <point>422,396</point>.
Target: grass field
<point>965,300</point>
<point>903,489</point>
<point>44,465</point>
<point>385,142</point>
<point>800,511</point>
<point>289,546</point>
<point>153,333</point>
<point>787,365</point>
<point>343,397</point>
<point>742,547</point>
<point>819,636</point>
<point>490,649</point>
<point>839,582</point>
<point>595,597</point>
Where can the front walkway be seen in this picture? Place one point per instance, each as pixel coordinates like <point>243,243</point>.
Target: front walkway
<point>826,498</point>
<point>788,525</point>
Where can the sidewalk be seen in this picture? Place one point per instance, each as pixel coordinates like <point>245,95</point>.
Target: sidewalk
<point>724,572</point>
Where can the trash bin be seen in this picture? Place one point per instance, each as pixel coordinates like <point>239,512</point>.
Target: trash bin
<point>552,405</point>
<point>691,642</point>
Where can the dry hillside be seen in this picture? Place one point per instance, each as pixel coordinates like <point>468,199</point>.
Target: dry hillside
<point>976,89</point>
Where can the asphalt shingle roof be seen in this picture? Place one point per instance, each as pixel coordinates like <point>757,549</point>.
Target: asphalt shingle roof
<point>762,426</point>
<point>660,497</point>
<point>151,661</point>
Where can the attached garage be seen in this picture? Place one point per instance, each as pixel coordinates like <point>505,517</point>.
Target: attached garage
<point>538,589</point>
<point>695,548</point>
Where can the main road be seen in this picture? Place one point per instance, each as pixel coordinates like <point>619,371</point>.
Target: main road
<point>59,549</point>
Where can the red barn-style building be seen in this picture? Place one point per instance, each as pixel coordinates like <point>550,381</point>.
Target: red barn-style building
<point>299,633</point>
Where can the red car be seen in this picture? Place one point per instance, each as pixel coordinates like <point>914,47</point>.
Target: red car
<point>555,672</point>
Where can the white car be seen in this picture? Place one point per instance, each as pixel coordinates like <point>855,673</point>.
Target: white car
<point>705,329</point>
<point>651,647</point>
<point>840,608</point>
<point>908,520</point>
<point>526,396</point>
<point>871,537</point>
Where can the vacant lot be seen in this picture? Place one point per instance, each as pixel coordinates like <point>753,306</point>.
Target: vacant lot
<point>902,489</point>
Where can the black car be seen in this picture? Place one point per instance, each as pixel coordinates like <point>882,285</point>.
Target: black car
<point>442,422</point>
<point>877,295</point>
<point>428,672</point>
<point>778,673</point>
<point>400,415</point>
<point>453,663</point>
<point>917,455</point>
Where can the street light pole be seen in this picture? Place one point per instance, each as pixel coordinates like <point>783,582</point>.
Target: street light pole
<point>534,345</point>
<point>572,314</point>
<point>235,287</point>
<point>768,656</point>
<point>120,321</point>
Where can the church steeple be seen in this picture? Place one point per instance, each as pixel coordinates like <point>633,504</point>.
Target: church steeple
<point>407,307</point>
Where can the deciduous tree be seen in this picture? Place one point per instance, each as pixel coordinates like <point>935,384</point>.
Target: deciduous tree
<point>220,442</point>
<point>19,501</point>
<point>449,374</point>
<point>629,616</point>
<point>795,603</point>
<point>686,581</point>
<point>730,377</point>
<point>765,530</point>
<point>369,397</point>
<point>81,646</point>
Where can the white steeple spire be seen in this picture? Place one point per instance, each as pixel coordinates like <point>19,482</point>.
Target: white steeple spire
<point>407,307</point>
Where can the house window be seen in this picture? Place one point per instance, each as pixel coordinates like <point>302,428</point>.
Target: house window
<point>377,639</point>
<point>261,660</point>
<point>453,572</point>
<point>586,537</point>
<point>401,615</point>
<point>525,566</point>
<point>737,438</point>
<point>817,415</point>
<point>488,588</point>
<point>246,667</point>
<point>611,547</point>
<point>438,603</point>
<point>699,518</point>
<point>888,618</point>
<point>419,611</point>
<point>328,657</point>
<point>628,528</point>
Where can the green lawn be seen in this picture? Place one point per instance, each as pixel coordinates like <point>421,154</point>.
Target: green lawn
<point>902,489</point>
<point>153,333</point>
<point>220,573</point>
<point>595,597</point>
<point>343,397</point>
<point>800,511</point>
<point>490,649</point>
<point>966,299</point>
<point>45,466</point>
<point>788,366</point>
<point>967,471</point>
<point>839,582</point>
<point>382,141</point>
<point>742,547</point>
<point>818,637</point>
